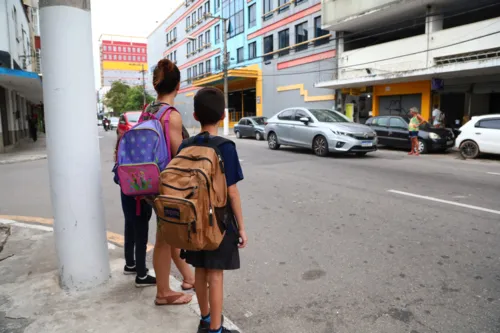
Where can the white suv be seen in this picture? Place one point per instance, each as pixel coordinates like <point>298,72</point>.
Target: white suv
<point>480,135</point>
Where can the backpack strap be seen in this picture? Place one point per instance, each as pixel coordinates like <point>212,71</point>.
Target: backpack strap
<point>204,139</point>
<point>164,113</point>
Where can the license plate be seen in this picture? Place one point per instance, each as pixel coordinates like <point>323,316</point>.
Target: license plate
<point>366,144</point>
<point>449,142</point>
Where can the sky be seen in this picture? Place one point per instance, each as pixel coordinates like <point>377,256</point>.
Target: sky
<point>126,17</point>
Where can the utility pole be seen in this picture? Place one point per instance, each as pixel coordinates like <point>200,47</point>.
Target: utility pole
<point>73,151</point>
<point>143,86</point>
<point>226,89</point>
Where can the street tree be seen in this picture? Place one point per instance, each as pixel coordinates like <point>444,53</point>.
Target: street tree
<point>116,98</point>
<point>135,99</point>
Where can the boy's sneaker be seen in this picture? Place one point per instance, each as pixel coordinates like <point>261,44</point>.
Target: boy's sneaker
<point>129,270</point>
<point>225,330</point>
<point>146,281</point>
<point>204,326</point>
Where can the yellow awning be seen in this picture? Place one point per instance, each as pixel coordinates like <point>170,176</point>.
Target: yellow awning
<point>216,79</point>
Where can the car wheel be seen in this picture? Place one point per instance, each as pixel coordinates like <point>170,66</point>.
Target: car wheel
<point>238,134</point>
<point>320,146</point>
<point>422,147</point>
<point>272,141</point>
<point>258,136</point>
<point>469,149</point>
<point>361,154</point>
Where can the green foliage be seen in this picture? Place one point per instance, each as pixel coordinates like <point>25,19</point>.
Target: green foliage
<point>121,97</point>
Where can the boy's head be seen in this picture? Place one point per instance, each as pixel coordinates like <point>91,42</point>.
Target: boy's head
<point>209,106</point>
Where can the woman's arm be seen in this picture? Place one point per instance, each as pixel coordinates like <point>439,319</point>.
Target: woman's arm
<point>175,132</point>
<point>422,120</point>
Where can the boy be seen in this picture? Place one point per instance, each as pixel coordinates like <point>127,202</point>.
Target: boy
<point>210,265</point>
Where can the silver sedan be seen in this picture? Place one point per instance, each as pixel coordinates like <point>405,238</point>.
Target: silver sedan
<point>322,130</point>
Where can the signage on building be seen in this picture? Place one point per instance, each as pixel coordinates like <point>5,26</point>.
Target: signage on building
<point>258,99</point>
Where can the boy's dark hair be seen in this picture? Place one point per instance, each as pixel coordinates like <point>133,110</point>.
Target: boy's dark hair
<point>209,105</point>
<point>166,77</point>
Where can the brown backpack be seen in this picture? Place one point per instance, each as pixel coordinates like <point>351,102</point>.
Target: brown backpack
<point>193,207</point>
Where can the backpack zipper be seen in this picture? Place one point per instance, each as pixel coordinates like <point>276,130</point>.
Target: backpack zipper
<point>192,188</point>
<point>210,217</point>
<point>191,226</point>
<point>194,158</point>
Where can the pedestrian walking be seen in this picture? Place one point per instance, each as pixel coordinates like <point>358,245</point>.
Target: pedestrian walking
<point>437,117</point>
<point>415,122</point>
<point>32,125</point>
<point>209,266</point>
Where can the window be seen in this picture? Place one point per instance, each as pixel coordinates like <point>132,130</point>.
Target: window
<point>200,41</point>
<point>200,66</point>
<point>286,115</point>
<point>318,32</point>
<point>195,71</point>
<point>217,63</point>
<point>216,5</point>
<point>252,16</point>
<point>193,17</point>
<point>114,57</point>
<point>168,38</point>
<point>234,11</point>
<point>268,6</point>
<point>200,13</point>
<point>207,7</point>
<point>175,32</point>
<point>397,123</point>
<point>114,48</point>
<point>243,122</point>
<point>16,26</point>
<point>268,47</point>
<point>282,3</point>
<point>134,58</point>
<point>284,41</point>
<point>189,75</point>
<point>301,36</point>
<point>383,121</point>
<point>489,123</point>
<point>188,22</point>
<point>119,48</point>
<point>129,57</point>
<point>134,50</point>
<point>188,47</point>
<point>208,66</point>
<point>119,57</point>
<point>143,58</point>
<point>217,34</point>
<point>239,55</point>
<point>175,56</point>
<point>252,50</point>
<point>129,49</point>
<point>300,114</point>
<point>298,2</point>
<point>207,37</point>
<point>105,57</point>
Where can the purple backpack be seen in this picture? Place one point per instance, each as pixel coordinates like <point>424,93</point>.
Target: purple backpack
<point>143,152</point>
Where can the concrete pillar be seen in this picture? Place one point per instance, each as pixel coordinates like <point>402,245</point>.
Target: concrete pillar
<point>73,151</point>
<point>433,21</point>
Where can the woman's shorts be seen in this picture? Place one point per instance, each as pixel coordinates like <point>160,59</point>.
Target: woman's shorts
<point>413,134</point>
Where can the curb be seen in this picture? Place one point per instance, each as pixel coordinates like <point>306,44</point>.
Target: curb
<point>25,159</point>
<point>46,224</point>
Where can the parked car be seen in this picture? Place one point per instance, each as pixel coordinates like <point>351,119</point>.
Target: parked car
<point>479,135</point>
<point>114,122</point>
<point>392,131</point>
<point>322,130</point>
<point>250,127</point>
<point>127,120</point>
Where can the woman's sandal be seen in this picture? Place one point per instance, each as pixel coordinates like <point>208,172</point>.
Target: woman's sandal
<point>187,286</point>
<point>174,299</point>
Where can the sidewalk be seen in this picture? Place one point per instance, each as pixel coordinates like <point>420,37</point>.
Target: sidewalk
<point>27,150</point>
<point>31,300</point>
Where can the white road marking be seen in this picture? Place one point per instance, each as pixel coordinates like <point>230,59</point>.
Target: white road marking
<point>492,211</point>
<point>493,173</point>
<point>26,225</point>
<point>241,160</point>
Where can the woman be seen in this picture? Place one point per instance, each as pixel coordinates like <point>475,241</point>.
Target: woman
<point>166,81</point>
<point>415,122</point>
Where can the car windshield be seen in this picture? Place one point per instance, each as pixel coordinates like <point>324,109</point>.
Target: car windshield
<point>114,120</point>
<point>133,117</point>
<point>260,121</point>
<point>329,116</point>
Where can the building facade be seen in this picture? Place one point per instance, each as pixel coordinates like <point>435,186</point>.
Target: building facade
<point>192,36</point>
<point>397,54</point>
<point>123,58</point>
<point>20,84</point>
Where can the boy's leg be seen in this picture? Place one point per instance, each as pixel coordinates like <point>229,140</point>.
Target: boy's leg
<point>215,279</point>
<point>161,262</point>
<point>184,269</point>
<point>128,207</point>
<point>141,238</point>
<point>201,287</point>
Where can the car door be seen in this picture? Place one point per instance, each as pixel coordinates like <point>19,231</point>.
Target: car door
<point>284,125</point>
<point>380,125</point>
<point>487,135</point>
<point>244,130</point>
<point>397,134</point>
<point>302,134</point>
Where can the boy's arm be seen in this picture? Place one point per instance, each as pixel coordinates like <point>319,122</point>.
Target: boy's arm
<point>234,197</point>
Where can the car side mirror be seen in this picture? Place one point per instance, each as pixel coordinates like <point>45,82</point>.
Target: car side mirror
<point>305,120</point>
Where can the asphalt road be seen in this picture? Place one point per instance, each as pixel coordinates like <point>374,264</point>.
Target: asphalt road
<point>339,244</point>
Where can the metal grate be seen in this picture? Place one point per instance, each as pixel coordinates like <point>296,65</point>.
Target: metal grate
<point>466,57</point>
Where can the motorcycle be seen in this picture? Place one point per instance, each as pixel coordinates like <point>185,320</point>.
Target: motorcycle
<point>106,125</point>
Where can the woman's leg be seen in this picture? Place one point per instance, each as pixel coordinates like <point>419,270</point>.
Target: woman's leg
<point>128,208</point>
<point>216,295</point>
<point>415,140</point>
<point>184,269</point>
<point>141,238</point>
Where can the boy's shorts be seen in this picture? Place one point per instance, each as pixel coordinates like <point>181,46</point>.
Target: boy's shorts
<point>226,257</point>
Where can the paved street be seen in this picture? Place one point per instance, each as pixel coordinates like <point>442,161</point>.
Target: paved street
<point>332,249</point>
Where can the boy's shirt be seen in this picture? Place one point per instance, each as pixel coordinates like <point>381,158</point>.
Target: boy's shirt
<point>232,166</point>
